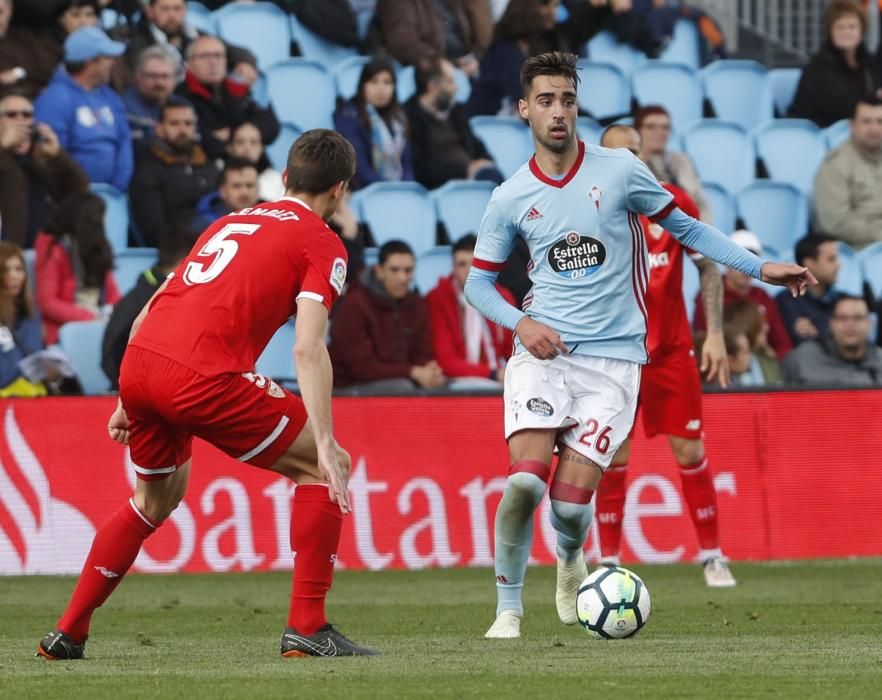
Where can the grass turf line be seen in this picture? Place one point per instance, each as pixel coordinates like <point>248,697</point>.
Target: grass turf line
<point>801,630</point>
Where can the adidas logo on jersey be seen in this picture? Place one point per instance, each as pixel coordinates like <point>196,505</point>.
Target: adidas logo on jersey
<point>534,214</point>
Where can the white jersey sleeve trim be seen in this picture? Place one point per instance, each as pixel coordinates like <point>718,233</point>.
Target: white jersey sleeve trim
<point>311,295</point>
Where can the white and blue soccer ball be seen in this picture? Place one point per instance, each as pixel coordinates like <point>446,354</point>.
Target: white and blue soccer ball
<point>613,603</point>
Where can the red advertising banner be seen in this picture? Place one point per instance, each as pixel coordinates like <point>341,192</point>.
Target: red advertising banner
<point>799,475</point>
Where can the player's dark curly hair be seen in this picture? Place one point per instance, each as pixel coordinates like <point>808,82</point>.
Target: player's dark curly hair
<point>549,63</point>
<point>318,160</point>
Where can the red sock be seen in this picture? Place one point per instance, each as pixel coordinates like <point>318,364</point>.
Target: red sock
<point>701,499</point>
<point>114,548</point>
<point>316,524</point>
<point>610,506</point>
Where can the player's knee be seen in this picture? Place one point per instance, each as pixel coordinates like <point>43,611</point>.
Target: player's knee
<point>525,486</point>
<point>688,451</point>
<point>158,507</point>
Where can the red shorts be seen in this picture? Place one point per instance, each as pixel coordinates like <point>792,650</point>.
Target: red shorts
<point>248,416</point>
<point>670,396</point>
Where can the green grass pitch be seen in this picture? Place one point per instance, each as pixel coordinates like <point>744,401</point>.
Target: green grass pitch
<point>801,630</point>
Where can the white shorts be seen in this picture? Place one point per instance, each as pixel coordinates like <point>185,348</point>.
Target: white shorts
<point>591,401</point>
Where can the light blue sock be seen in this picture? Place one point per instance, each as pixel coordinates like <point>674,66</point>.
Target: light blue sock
<point>514,537</point>
<point>571,520</point>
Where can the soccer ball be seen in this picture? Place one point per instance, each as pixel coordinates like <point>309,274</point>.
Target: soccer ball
<point>612,603</point>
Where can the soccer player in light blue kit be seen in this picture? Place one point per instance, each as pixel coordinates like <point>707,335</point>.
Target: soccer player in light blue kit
<point>581,336</point>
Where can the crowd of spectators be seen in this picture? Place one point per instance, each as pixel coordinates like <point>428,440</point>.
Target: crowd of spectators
<point>167,116</point>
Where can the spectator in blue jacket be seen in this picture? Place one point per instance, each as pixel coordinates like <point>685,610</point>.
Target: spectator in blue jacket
<point>21,333</point>
<point>238,189</point>
<point>375,124</point>
<point>86,114</point>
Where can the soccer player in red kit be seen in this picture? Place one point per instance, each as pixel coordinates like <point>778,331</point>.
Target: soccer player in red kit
<point>670,386</point>
<point>189,371</point>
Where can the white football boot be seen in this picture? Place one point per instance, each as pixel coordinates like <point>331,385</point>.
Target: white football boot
<point>569,576</point>
<point>506,626</point>
<point>717,573</point>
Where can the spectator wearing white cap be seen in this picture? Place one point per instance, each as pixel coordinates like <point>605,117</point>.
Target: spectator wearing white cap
<point>737,285</point>
<point>86,114</point>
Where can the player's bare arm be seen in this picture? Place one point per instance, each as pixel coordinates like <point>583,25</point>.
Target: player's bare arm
<point>118,425</point>
<point>313,366</point>
<point>714,363</point>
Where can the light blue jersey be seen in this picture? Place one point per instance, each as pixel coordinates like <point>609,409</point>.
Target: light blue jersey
<point>589,260</point>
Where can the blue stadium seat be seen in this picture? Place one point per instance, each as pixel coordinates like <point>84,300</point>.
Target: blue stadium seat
<point>851,275</point>
<point>130,263</point>
<point>432,266</point>
<point>683,47</point>
<point>346,75</point>
<point>302,93</point>
<point>200,18</point>
<point>784,83</point>
<point>722,205</point>
<point>261,27</point>
<point>314,47</point>
<point>589,130</point>
<point>606,48</point>
<point>775,211</point>
<point>399,210</point>
<point>260,91</point>
<point>836,134</point>
<point>460,205</point>
<point>277,359</point>
<point>371,256</point>
<point>463,85</point>
<point>603,89</point>
<point>277,151</point>
<point>81,341</point>
<point>870,259</point>
<point>30,261</point>
<point>116,215</point>
<point>405,83</point>
<point>507,138</point>
<point>792,150</point>
<point>676,87</point>
<point>723,153</point>
<point>739,91</point>
<point>691,287</point>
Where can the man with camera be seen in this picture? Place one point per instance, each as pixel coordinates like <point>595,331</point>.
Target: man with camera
<point>34,171</point>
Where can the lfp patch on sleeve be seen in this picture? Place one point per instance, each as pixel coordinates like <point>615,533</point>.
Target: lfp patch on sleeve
<point>338,274</point>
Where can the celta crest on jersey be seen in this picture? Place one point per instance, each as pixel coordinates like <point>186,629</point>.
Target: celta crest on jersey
<point>576,256</point>
<point>595,193</point>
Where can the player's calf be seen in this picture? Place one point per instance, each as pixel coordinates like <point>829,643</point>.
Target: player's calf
<point>571,516</point>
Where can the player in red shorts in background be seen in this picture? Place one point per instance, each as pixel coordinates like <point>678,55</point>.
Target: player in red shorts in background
<point>189,371</point>
<point>670,386</point>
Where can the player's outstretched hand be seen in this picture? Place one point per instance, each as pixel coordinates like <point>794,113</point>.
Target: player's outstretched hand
<point>540,340</point>
<point>118,426</point>
<point>714,362</point>
<point>795,277</point>
<point>338,480</point>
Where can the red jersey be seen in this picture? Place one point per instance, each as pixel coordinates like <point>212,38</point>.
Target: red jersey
<point>668,322</point>
<point>240,283</point>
